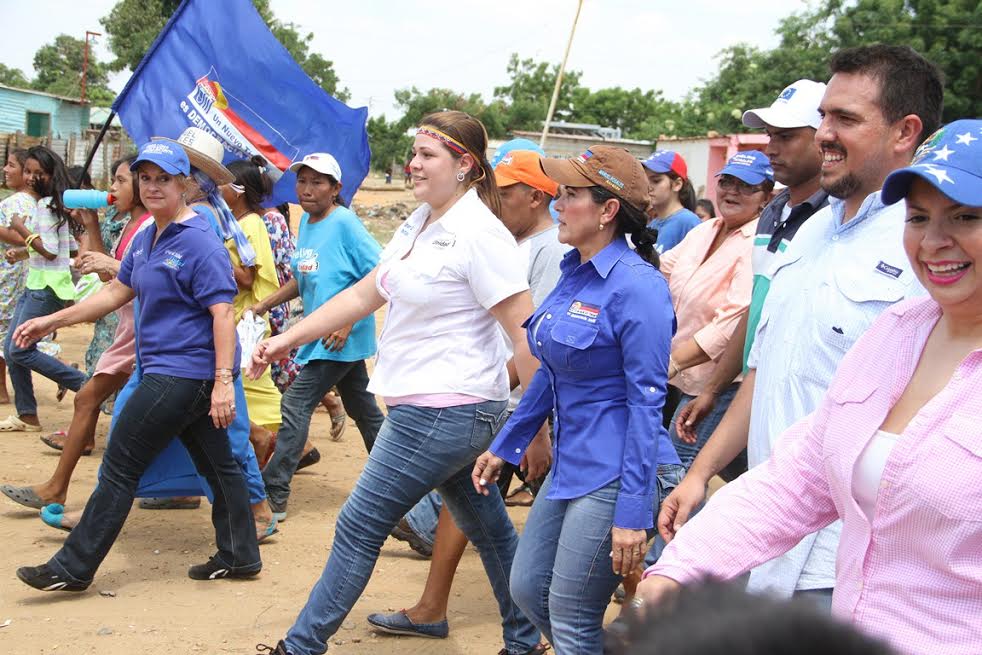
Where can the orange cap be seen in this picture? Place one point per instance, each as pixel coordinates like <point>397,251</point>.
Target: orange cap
<point>523,166</point>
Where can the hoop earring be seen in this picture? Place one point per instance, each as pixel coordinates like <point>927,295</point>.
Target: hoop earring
<point>461,176</point>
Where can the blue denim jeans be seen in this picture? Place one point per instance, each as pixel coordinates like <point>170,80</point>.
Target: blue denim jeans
<point>562,577</point>
<point>315,379</point>
<point>21,361</point>
<point>423,518</point>
<point>160,407</point>
<point>238,441</point>
<point>668,477</point>
<point>418,449</point>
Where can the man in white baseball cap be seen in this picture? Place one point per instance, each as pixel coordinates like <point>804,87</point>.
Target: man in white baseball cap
<point>796,106</point>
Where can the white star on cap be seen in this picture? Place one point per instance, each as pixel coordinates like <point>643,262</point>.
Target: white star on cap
<point>943,153</point>
<point>939,173</point>
<point>966,139</point>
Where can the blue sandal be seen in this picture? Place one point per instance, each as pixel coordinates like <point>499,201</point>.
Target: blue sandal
<point>53,514</point>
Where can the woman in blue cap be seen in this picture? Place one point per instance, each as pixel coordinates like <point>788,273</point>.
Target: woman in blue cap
<point>711,279</point>
<point>894,449</point>
<point>673,200</point>
<point>181,274</point>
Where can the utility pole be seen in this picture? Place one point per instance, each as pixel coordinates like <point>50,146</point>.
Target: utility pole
<point>559,78</point>
<point>85,60</point>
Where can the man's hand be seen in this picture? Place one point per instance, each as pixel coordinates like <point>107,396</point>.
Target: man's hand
<point>679,505</point>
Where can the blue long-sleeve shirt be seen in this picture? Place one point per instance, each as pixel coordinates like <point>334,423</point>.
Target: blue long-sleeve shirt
<point>603,336</point>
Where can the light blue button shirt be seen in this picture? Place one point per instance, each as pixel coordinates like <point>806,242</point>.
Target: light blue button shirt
<point>835,279</point>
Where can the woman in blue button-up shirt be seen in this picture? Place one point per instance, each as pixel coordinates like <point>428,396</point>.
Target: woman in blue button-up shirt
<point>603,337</point>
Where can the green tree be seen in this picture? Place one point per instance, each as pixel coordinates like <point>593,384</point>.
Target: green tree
<point>415,104</point>
<point>390,144</point>
<point>132,25</point>
<point>632,110</point>
<point>13,77</point>
<point>947,32</point>
<point>58,70</point>
<point>525,100</point>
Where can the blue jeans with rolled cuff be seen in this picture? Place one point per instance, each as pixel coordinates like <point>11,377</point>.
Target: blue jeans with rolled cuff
<point>418,449</point>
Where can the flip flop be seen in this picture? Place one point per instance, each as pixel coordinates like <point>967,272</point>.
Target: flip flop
<point>22,495</point>
<point>169,503</point>
<point>511,500</point>
<point>14,424</point>
<point>53,514</point>
<point>270,530</point>
<point>338,424</point>
<point>49,441</point>
<point>312,457</point>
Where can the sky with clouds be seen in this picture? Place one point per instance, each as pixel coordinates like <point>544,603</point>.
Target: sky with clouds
<point>379,46</point>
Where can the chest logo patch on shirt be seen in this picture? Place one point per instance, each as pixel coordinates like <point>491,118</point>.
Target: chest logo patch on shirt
<point>583,311</point>
<point>174,260</point>
<point>307,260</point>
<point>888,270</point>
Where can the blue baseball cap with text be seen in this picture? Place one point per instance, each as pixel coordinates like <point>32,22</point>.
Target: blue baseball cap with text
<point>751,166</point>
<point>169,156</point>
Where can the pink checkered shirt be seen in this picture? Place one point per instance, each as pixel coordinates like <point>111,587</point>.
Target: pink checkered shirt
<point>914,575</point>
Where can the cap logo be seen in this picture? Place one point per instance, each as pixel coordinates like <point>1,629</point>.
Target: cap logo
<point>787,93</point>
<point>741,159</point>
<point>611,180</point>
<point>157,148</point>
<point>928,146</point>
<point>586,155</point>
<point>506,160</point>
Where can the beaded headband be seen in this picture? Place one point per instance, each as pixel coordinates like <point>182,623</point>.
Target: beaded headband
<point>443,137</point>
<point>450,142</point>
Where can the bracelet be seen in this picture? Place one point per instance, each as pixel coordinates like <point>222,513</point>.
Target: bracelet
<point>31,238</point>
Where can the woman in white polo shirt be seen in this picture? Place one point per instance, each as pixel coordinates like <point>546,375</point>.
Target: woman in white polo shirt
<point>451,274</point>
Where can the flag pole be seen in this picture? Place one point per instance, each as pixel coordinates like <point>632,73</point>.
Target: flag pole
<point>559,79</point>
<point>95,146</point>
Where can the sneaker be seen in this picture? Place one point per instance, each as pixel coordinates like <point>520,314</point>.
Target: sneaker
<point>403,532</point>
<point>44,578</point>
<point>215,570</point>
<point>263,649</point>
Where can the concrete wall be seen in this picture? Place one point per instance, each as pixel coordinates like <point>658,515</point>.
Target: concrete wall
<point>67,117</point>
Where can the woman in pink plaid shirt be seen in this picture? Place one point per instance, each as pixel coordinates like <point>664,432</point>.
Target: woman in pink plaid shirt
<point>895,448</point>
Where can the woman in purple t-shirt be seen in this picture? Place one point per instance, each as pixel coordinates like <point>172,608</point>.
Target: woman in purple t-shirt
<point>181,273</point>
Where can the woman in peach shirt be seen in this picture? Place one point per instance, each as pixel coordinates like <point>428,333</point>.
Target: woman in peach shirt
<point>710,278</point>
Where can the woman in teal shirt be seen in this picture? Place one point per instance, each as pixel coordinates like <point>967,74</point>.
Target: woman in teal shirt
<point>334,250</point>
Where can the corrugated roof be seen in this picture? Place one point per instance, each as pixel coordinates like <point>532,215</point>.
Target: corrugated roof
<point>76,101</point>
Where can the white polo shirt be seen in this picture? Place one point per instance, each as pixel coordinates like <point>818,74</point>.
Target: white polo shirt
<point>831,283</point>
<point>439,337</point>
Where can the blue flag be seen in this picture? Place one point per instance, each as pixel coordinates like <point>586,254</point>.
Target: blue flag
<point>216,66</point>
